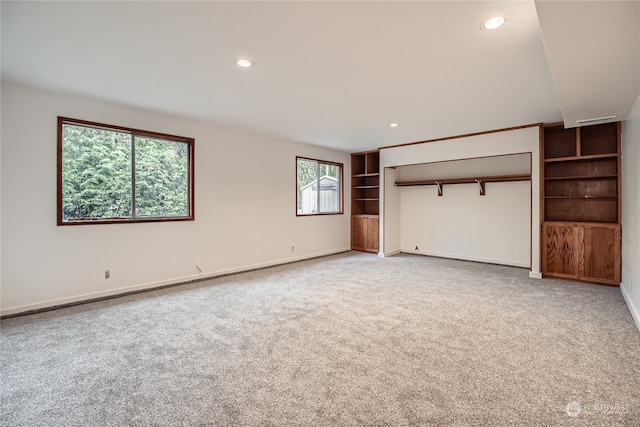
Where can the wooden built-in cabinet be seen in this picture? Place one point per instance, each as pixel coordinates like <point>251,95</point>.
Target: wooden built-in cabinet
<point>365,201</point>
<point>583,251</point>
<point>365,234</point>
<point>581,202</point>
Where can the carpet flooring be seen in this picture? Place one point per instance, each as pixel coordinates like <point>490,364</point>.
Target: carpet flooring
<point>345,340</point>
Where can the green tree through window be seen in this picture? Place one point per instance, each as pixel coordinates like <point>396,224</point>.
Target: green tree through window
<point>110,174</point>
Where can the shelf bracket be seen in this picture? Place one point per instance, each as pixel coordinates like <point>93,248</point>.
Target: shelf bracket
<point>481,184</point>
<point>439,185</point>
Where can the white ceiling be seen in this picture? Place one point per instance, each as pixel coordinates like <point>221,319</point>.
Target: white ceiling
<point>329,73</point>
<point>594,51</point>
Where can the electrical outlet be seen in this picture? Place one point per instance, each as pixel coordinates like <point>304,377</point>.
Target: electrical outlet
<point>107,274</point>
<point>293,248</point>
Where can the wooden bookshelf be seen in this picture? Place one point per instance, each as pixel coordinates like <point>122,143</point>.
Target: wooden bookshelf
<point>581,202</point>
<point>365,200</point>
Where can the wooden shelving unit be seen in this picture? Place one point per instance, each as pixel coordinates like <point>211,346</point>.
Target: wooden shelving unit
<point>581,202</point>
<point>365,201</point>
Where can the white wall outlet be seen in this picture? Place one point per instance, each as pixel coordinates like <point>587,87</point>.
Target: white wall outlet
<point>107,274</point>
<point>293,248</point>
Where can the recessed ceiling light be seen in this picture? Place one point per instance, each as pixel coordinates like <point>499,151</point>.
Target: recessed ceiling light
<point>493,23</point>
<point>394,125</point>
<point>244,62</point>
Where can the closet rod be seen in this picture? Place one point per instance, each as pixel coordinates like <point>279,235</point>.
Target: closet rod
<point>471,180</point>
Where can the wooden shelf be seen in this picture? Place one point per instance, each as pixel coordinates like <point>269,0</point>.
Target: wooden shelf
<point>365,201</point>
<point>579,158</point>
<point>600,167</point>
<point>365,183</point>
<point>580,201</point>
<point>579,177</point>
<point>597,140</point>
<point>580,197</point>
<point>581,164</point>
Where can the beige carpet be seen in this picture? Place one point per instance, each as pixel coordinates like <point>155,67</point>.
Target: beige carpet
<point>346,340</point>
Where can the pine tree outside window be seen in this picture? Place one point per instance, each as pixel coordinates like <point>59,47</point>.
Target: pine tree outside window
<point>110,174</point>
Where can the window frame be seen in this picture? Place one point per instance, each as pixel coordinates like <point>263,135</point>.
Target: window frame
<point>134,133</point>
<point>340,186</point>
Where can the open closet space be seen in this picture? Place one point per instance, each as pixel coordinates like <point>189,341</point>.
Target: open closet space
<point>472,197</point>
<point>473,209</point>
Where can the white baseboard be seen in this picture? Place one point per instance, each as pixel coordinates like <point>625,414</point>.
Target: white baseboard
<point>468,258</point>
<point>390,253</point>
<point>535,275</point>
<point>159,284</point>
<point>632,308</point>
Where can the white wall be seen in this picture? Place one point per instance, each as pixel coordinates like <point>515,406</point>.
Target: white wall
<point>630,285</point>
<point>525,196</point>
<point>0,192</point>
<point>43,264</point>
<point>461,224</point>
<point>390,214</point>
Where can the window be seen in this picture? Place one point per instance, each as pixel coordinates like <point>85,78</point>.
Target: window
<point>110,174</point>
<point>319,187</point>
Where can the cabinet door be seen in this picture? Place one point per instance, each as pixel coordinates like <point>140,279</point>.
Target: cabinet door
<point>600,261</point>
<point>373,234</point>
<point>561,249</point>
<point>359,233</point>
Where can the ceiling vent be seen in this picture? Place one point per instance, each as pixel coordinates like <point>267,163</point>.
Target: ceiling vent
<point>596,121</point>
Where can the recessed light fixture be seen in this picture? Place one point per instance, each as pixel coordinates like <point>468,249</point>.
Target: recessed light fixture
<point>493,23</point>
<point>394,125</point>
<point>244,62</point>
